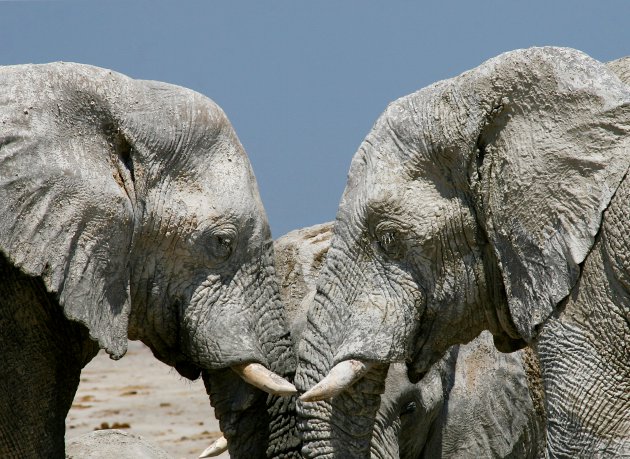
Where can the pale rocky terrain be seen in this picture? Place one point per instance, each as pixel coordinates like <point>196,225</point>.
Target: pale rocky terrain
<point>141,395</point>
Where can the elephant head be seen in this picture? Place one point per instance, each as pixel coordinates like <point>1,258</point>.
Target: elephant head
<point>474,402</point>
<point>134,204</point>
<point>470,206</point>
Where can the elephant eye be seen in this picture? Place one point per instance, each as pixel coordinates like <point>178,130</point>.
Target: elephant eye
<point>408,408</point>
<point>390,241</point>
<point>221,245</point>
<point>224,244</point>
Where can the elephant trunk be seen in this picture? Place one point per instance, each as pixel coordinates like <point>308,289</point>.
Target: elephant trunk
<point>241,410</point>
<point>341,427</point>
<point>385,443</point>
<point>252,399</point>
<point>272,328</point>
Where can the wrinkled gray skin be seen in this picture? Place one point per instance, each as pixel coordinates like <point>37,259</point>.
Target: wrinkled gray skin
<point>496,200</point>
<point>621,68</point>
<point>129,209</point>
<point>474,402</point>
<point>112,443</point>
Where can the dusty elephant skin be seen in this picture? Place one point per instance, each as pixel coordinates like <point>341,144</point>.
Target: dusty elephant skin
<point>497,200</point>
<point>474,402</point>
<point>109,444</point>
<point>129,209</point>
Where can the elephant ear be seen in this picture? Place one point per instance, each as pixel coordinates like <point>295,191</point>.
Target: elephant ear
<point>66,192</point>
<point>553,147</point>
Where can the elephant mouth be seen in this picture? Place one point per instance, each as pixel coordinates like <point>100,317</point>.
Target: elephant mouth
<point>182,364</point>
<point>188,370</point>
<point>415,375</point>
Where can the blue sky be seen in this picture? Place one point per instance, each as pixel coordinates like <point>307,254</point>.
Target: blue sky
<point>303,82</point>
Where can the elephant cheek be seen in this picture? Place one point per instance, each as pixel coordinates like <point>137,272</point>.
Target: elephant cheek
<point>187,370</point>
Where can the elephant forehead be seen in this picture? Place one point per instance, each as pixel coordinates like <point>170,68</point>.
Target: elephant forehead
<point>187,209</point>
<point>415,199</point>
<point>226,184</point>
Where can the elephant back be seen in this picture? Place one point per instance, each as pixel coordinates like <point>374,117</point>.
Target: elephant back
<point>621,68</point>
<point>300,255</point>
<point>107,444</point>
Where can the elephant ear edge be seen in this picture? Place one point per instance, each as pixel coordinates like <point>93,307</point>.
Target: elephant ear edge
<point>67,216</point>
<point>554,147</point>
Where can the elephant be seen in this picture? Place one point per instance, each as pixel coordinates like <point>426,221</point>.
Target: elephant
<point>129,210</point>
<point>621,68</point>
<point>496,200</point>
<point>474,402</point>
<point>113,443</point>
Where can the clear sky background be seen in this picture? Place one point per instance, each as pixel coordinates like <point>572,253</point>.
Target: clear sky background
<point>303,82</point>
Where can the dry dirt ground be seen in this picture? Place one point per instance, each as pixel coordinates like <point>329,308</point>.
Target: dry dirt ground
<point>141,395</point>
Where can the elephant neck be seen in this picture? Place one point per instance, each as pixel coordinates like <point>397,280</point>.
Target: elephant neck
<point>43,354</point>
<point>583,354</point>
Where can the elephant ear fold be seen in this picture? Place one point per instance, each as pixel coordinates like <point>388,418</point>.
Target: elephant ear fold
<point>550,156</point>
<point>66,215</point>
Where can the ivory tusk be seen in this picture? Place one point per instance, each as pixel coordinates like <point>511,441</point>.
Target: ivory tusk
<point>259,376</point>
<point>217,447</point>
<point>341,377</point>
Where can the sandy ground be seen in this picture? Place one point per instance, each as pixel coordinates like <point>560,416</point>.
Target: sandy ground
<point>145,397</point>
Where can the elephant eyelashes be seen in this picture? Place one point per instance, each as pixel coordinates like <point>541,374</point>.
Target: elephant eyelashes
<point>221,247</point>
<point>390,241</point>
<point>220,243</point>
<point>408,408</point>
